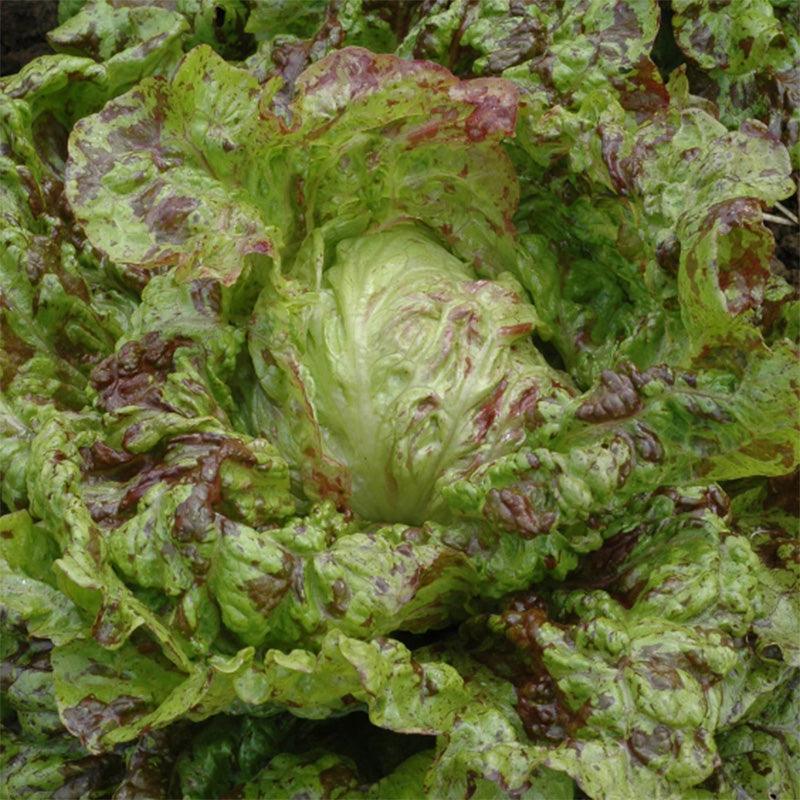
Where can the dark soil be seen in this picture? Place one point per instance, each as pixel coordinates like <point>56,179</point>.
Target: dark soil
<point>23,25</point>
<point>787,240</point>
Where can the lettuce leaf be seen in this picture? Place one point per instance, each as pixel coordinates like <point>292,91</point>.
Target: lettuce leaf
<point>313,350</point>
<point>659,639</point>
<point>242,175</point>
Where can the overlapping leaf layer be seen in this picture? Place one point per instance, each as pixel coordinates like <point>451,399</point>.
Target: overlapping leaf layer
<point>399,399</point>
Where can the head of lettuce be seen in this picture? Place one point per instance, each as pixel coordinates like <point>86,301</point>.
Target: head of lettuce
<point>295,369</point>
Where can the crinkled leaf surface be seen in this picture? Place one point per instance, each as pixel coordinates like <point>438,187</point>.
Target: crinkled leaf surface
<point>205,173</point>
<point>662,646</point>
<point>328,349</point>
<point>402,347</point>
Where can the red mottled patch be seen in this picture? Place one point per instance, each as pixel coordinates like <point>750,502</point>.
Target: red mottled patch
<point>91,717</point>
<point>516,331</point>
<point>263,246</point>
<point>615,398</point>
<point>495,112</point>
<point>488,412</point>
<point>135,374</point>
<point>610,148</point>
<point>513,510</point>
<point>744,274</point>
<point>525,403</point>
<point>167,220</point>
<point>643,91</point>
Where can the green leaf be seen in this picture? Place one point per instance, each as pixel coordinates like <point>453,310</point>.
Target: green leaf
<point>179,190</point>
<point>239,173</point>
<point>58,766</point>
<point>400,347</point>
<point>760,756</point>
<point>28,583</point>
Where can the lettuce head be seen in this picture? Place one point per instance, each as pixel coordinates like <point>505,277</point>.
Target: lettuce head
<point>399,400</point>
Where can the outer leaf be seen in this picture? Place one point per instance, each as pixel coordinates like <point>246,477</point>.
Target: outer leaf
<point>318,773</point>
<point>399,693</point>
<point>633,433</point>
<point>27,583</point>
<point>165,164</point>
<point>46,83</point>
<point>749,54</point>
<point>565,49</point>
<point>761,756</point>
<point>313,774</point>
<point>100,30</point>
<point>658,646</point>
<point>59,766</point>
<point>168,183</point>
<point>28,696</point>
<point>293,17</point>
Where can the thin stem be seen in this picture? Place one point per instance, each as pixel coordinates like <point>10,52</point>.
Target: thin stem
<point>792,216</point>
<point>778,220</point>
